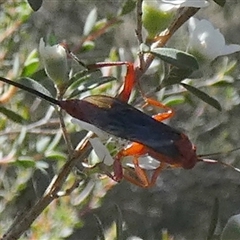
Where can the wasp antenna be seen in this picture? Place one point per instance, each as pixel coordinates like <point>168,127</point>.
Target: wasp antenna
<point>31,90</point>
<point>219,153</point>
<point>217,161</point>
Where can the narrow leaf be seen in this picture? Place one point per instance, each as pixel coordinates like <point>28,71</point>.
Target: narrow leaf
<point>221,3</point>
<point>87,46</point>
<point>203,96</point>
<point>128,7</point>
<point>25,162</point>
<point>30,69</point>
<point>78,78</point>
<point>90,85</point>
<point>100,228</point>
<point>174,100</point>
<point>12,115</point>
<point>119,223</point>
<point>175,76</point>
<point>177,58</point>
<point>214,220</point>
<point>90,22</point>
<point>55,155</point>
<point>31,64</point>
<point>35,4</point>
<point>232,229</point>
<point>35,85</point>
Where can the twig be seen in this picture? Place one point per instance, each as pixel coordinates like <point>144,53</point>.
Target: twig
<point>139,22</point>
<point>8,95</point>
<point>10,30</point>
<point>18,228</point>
<point>139,30</point>
<point>62,123</point>
<point>97,33</point>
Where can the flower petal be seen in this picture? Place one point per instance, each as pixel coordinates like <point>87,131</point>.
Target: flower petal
<point>145,162</point>
<point>101,151</point>
<point>229,49</point>
<point>207,41</point>
<point>187,3</point>
<point>89,127</point>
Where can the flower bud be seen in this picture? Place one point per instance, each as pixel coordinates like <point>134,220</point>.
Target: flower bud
<point>154,19</point>
<point>157,14</point>
<point>54,60</point>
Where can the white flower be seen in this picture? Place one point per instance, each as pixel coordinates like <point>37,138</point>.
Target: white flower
<point>54,59</point>
<point>89,127</point>
<point>145,162</point>
<point>97,142</point>
<point>208,41</point>
<point>101,151</point>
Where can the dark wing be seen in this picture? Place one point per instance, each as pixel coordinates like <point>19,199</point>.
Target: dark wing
<point>124,121</point>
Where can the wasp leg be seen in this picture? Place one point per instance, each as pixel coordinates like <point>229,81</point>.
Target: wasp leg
<point>160,116</point>
<point>128,83</point>
<point>129,80</point>
<point>135,149</point>
<point>139,177</point>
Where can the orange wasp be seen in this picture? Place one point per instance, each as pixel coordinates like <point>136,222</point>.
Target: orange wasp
<point>147,134</point>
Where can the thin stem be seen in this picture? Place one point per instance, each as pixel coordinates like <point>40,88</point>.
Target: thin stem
<point>139,30</point>
<point>63,126</point>
<point>97,33</point>
<point>64,131</point>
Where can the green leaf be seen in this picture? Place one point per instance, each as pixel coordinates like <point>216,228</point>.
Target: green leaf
<point>174,100</point>
<point>90,22</point>
<point>31,64</point>
<point>87,46</point>
<point>99,24</point>
<point>232,229</point>
<point>31,83</point>
<point>25,162</point>
<point>78,78</point>
<point>42,144</point>
<point>165,235</point>
<point>55,141</point>
<point>175,76</point>
<point>154,20</point>
<point>12,115</point>
<point>177,58</point>
<point>21,137</point>
<point>100,228</point>
<point>128,7</point>
<point>221,3</point>
<point>30,69</point>
<point>42,165</point>
<point>35,4</point>
<point>203,96</point>
<point>91,84</point>
<point>119,224</point>
<point>55,155</point>
<point>214,220</point>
